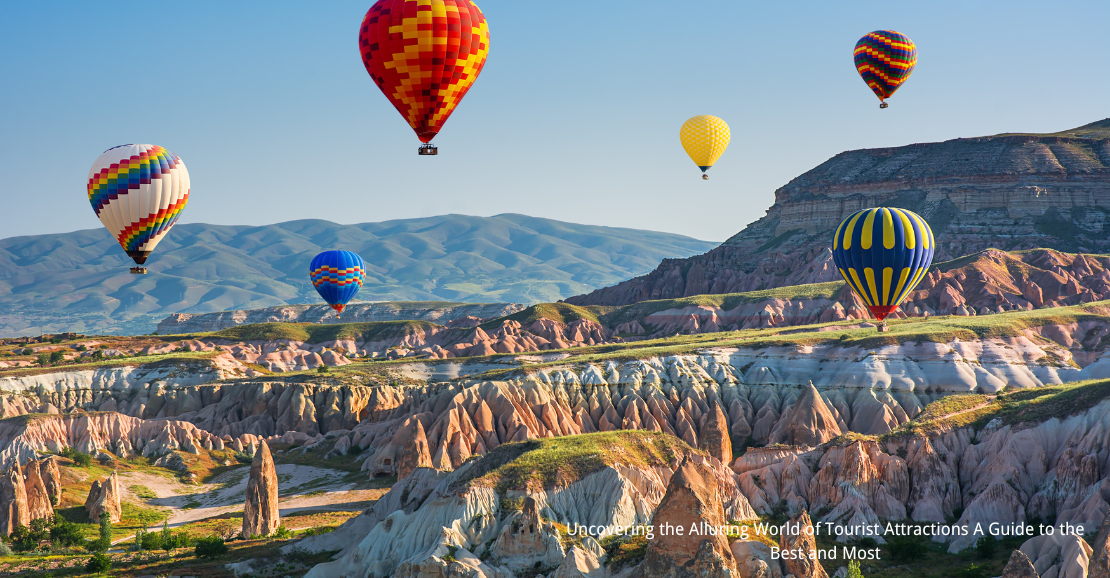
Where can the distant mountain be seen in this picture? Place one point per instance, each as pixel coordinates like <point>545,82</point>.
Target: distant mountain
<point>1010,191</point>
<point>80,282</point>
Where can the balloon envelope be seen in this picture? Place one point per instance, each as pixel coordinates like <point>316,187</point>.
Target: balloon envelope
<point>883,253</point>
<point>705,139</point>
<point>424,55</point>
<point>337,276</point>
<point>138,191</point>
<point>885,59</point>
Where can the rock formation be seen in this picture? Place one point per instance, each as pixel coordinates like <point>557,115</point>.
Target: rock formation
<point>691,500</point>
<point>799,537</point>
<point>1058,556</point>
<point>13,501</point>
<point>105,497</point>
<point>1019,566</point>
<point>415,453</point>
<point>807,423</point>
<point>715,437</point>
<point>260,511</point>
<point>1028,190</point>
<point>39,502</point>
<point>51,479</point>
<point>526,539</point>
<point>1099,565</point>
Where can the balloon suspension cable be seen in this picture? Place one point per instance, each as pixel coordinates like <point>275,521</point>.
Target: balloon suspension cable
<point>704,177</point>
<point>883,105</point>
<point>138,270</point>
<point>427,149</point>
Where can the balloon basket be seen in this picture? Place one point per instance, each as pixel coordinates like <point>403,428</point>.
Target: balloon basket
<point>705,177</point>
<point>884,328</point>
<point>427,150</point>
<point>138,270</point>
<point>883,105</point>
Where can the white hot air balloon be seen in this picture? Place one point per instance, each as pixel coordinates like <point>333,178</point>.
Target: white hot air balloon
<point>138,191</point>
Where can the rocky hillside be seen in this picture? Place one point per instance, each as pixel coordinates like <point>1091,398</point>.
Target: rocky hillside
<point>80,282</point>
<point>1010,191</point>
<point>434,311</point>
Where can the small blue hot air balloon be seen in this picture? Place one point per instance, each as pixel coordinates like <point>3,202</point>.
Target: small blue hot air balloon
<point>883,253</point>
<point>337,276</point>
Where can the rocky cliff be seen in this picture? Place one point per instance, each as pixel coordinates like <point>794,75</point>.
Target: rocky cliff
<point>1012,192</point>
<point>260,512</point>
<point>433,311</point>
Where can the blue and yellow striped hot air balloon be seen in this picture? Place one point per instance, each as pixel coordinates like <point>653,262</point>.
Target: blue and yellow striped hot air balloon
<point>883,253</point>
<point>337,276</point>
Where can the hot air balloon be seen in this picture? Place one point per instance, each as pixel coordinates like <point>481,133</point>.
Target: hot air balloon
<point>337,276</point>
<point>424,55</point>
<point>882,254</point>
<point>705,139</point>
<point>885,59</point>
<point>138,191</point>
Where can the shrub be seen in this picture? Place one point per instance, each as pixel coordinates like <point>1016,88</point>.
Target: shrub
<point>79,459</point>
<point>853,569</point>
<point>98,354</point>
<point>82,347</point>
<point>28,351</point>
<point>43,359</point>
<point>282,533</point>
<point>151,541</point>
<point>4,549</point>
<point>906,549</point>
<point>210,548</point>
<point>972,571</point>
<point>66,533</point>
<point>985,547</point>
<point>98,564</point>
<point>323,369</point>
<point>57,356</point>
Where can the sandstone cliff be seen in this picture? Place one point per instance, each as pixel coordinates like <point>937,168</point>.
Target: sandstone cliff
<point>260,510</point>
<point>13,501</point>
<point>1008,191</point>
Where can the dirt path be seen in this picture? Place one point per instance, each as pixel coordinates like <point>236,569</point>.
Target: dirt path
<point>299,488</point>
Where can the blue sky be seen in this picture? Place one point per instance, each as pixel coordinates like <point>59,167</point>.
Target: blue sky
<point>575,116</point>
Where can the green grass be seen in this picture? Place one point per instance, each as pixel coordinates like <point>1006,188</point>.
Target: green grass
<point>321,332</point>
<point>140,360</point>
<point>142,492</point>
<point>560,312</point>
<point>556,462</point>
<point>1033,405</point>
<point>726,301</point>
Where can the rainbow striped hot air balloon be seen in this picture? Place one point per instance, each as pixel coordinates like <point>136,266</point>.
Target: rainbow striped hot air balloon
<point>138,191</point>
<point>885,59</point>
<point>337,276</point>
<point>883,253</point>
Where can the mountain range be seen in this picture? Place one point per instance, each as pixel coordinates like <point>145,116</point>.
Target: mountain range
<point>79,281</point>
<point>1012,191</point>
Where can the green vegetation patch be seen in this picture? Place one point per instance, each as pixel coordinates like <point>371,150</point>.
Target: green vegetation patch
<point>557,462</point>
<point>322,332</point>
<point>560,312</point>
<point>726,301</point>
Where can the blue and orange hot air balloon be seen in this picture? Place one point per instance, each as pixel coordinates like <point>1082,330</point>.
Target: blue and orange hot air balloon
<point>337,276</point>
<point>885,59</point>
<point>424,55</point>
<point>883,253</point>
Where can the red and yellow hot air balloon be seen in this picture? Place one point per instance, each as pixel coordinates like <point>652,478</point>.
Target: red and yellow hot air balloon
<point>885,59</point>
<point>424,55</point>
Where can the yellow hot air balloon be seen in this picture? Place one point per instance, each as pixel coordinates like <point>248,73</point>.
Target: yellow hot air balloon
<point>705,139</point>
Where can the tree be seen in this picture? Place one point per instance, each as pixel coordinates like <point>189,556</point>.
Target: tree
<point>985,547</point>
<point>212,547</point>
<point>43,359</point>
<point>66,533</point>
<point>57,356</point>
<point>853,569</point>
<point>167,537</point>
<point>104,542</point>
<point>322,369</point>
<point>98,564</point>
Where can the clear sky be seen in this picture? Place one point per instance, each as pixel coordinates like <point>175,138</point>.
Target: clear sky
<point>575,116</point>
